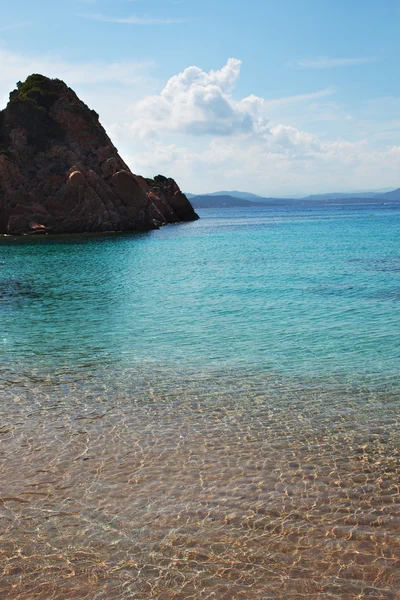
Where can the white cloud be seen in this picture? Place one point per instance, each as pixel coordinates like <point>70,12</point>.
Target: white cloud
<point>196,102</point>
<point>286,138</point>
<point>290,163</point>
<point>324,62</point>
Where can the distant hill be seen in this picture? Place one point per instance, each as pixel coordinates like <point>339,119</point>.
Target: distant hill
<point>232,194</point>
<point>224,198</point>
<point>341,196</point>
<point>393,196</point>
<point>236,194</point>
<point>227,201</point>
<point>220,201</point>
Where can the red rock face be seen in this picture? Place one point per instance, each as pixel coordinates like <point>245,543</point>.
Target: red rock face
<point>60,172</point>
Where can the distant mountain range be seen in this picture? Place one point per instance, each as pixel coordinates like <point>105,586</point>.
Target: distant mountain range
<point>232,193</point>
<point>225,201</point>
<point>393,196</point>
<point>243,199</point>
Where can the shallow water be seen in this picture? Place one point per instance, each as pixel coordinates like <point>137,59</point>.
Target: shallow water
<point>206,411</point>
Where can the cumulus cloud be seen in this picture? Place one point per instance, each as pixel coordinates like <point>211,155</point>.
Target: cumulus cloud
<point>289,139</point>
<point>200,103</point>
<point>197,102</point>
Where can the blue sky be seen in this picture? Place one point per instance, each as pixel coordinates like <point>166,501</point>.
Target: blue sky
<point>284,97</point>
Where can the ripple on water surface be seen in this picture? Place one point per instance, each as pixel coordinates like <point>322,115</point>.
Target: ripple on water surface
<point>214,485</point>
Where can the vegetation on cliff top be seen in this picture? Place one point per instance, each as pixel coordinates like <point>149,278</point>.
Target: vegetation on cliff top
<point>37,89</point>
<point>29,107</point>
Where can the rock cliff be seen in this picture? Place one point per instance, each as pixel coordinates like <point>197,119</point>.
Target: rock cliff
<point>60,172</point>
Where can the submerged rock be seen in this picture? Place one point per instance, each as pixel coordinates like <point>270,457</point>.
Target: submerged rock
<point>60,172</point>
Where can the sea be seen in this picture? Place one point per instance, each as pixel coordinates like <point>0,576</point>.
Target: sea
<point>210,410</point>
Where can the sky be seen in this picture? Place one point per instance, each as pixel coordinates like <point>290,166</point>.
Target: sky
<point>274,97</point>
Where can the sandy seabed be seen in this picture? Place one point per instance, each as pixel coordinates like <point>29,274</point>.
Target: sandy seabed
<point>220,487</point>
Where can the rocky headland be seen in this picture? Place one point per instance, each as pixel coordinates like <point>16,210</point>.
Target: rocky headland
<point>60,172</point>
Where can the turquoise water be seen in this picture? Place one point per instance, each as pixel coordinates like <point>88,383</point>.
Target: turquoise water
<point>207,411</point>
<point>298,292</point>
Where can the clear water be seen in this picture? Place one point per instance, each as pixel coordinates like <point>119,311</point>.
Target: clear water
<point>311,291</point>
<point>210,410</point>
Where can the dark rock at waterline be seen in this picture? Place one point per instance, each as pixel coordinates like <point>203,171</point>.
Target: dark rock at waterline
<point>60,172</point>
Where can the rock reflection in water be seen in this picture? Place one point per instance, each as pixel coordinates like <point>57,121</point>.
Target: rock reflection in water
<point>209,487</point>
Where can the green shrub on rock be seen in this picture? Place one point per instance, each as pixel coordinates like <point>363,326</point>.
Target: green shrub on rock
<point>29,106</point>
